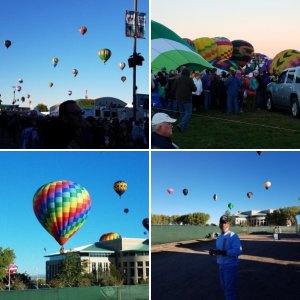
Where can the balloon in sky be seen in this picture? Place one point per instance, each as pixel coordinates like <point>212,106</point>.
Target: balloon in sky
<point>18,88</point>
<point>230,205</point>
<point>104,54</point>
<point>206,47</point>
<point>109,236</point>
<point>170,51</point>
<point>122,65</point>
<point>285,59</point>
<point>224,47</point>
<point>185,192</point>
<point>267,185</point>
<point>123,78</point>
<point>20,80</point>
<point>28,96</point>
<point>170,190</point>
<point>120,187</point>
<point>69,93</point>
<point>55,61</point>
<point>259,152</point>
<point>23,99</point>
<point>146,223</point>
<point>83,30</point>
<point>249,195</point>
<point>242,52</point>
<point>74,72</point>
<point>50,84</point>
<point>126,210</point>
<point>7,43</point>
<point>62,208</point>
<point>215,197</point>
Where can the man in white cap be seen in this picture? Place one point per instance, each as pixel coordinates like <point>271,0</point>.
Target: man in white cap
<point>228,249</point>
<point>162,129</point>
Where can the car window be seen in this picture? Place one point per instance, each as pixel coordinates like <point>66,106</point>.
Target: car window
<point>282,77</point>
<point>297,76</point>
<point>290,76</point>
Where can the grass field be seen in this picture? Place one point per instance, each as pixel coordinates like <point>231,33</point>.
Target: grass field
<point>248,130</point>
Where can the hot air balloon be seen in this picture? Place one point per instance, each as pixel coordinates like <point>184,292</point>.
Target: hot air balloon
<point>249,195</point>
<point>242,52</point>
<point>190,42</point>
<point>55,61</point>
<point>50,84</point>
<point>206,47</point>
<point>285,59</point>
<point>109,236</point>
<point>23,99</point>
<point>18,88</point>
<point>123,78</point>
<point>104,54</point>
<point>215,197</point>
<point>230,205</point>
<point>7,43</point>
<point>69,93</point>
<point>120,187</point>
<point>259,152</point>
<point>126,210</point>
<point>74,72</point>
<point>185,192</point>
<point>146,223</point>
<point>170,191</point>
<point>28,96</point>
<point>224,47</point>
<point>20,80</point>
<point>62,208</point>
<point>122,65</point>
<point>267,185</point>
<point>83,30</point>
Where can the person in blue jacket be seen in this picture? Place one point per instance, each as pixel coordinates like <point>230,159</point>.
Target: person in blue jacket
<point>228,249</point>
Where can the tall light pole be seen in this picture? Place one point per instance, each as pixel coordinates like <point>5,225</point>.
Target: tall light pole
<point>134,65</point>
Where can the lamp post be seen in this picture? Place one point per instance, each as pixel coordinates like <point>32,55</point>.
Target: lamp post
<point>134,88</point>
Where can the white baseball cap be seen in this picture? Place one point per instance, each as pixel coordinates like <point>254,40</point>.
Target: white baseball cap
<point>159,118</point>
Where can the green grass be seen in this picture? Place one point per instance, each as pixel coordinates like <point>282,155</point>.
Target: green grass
<point>249,130</point>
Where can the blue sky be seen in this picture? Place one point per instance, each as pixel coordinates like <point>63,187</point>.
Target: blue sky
<point>22,173</point>
<point>229,174</point>
<point>40,30</point>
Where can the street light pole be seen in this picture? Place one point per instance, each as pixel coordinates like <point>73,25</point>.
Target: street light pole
<point>134,65</point>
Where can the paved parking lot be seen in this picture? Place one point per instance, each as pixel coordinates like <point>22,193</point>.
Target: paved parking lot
<point>268,269</point>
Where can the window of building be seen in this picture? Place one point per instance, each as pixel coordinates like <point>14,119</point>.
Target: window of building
<point>131,272</point>
<point>140,272</point>
<point>140,264</point>
<point>132,264</point>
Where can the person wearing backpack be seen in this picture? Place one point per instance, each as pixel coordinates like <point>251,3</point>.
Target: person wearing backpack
<point>251,86</point>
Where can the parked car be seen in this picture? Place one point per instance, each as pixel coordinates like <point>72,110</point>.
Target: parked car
<point>285,92</point>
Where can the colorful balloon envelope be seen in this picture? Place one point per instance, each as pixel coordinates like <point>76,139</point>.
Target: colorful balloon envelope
<point>120,187</point>
<point>7,43</point>
<point>206,47</point>
<point>123,78</point>
<point>224,47</point>
<point>249,195</point>
<point>83,30</point>
<point>215,197</point>
<point>146,223</point>
<point>74,72</point>
<point>50,84</point>
<point>20,80</point>
<point>109,236</point>
<point>122,65</point>
<point>285,59</point>
<point>69,93</point>
<point>55,61</point>
<point>170,191</point>
<point>104,54</point>
<point>185,192</point>
<point>242,52</point>
<point>267,185</point>
<point>18,88</point>
<point>190,42</point>
<point>230,205</point>
<point>62,207</point>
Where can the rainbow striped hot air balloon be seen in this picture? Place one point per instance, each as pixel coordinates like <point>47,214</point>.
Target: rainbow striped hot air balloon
<point>109,236</point>
<point>62,208</point>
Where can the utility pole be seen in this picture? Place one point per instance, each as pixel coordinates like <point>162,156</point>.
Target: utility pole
<point>134,66</point>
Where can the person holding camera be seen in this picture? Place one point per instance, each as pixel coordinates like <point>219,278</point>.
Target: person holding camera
<point>228,249</point>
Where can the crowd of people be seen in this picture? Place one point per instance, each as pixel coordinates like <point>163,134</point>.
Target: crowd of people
<point>70,130</point>
<point>229,92</point>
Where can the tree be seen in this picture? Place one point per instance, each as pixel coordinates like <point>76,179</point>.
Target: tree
<point>7,256</point>
<point>42,107</point>
<point>113,277</point>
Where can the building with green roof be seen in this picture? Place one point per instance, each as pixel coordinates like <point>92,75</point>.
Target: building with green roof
<point>129,255</point>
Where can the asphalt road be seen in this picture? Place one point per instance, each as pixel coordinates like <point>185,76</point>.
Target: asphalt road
<point>268,269</point>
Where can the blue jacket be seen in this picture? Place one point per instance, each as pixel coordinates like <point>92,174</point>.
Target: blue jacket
<point>230,242</point>
<point>233,85</point>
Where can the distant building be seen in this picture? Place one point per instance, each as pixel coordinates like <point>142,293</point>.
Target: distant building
<point>252,217</point>
<point>129,255</point>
